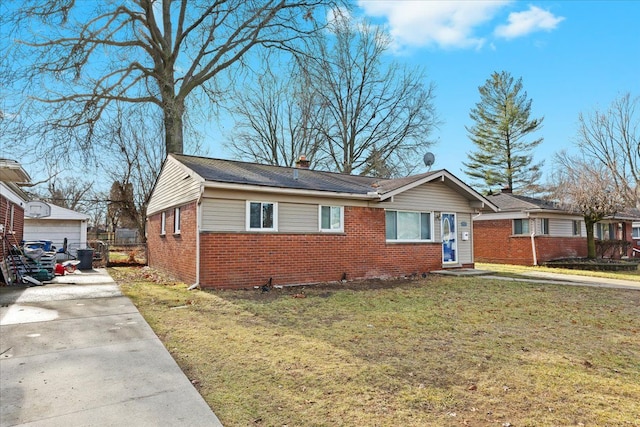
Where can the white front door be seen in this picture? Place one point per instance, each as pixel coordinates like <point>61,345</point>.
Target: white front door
<point>449,241</point>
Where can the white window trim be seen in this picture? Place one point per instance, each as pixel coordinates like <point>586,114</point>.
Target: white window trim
<point>635,232</point>
<point>431,225</point>
<point>331,230</point>
<point>545,231</point>
<point>176,221</point>
<point>248,217</point>
<point>513,227</point>
<point>163,223</point>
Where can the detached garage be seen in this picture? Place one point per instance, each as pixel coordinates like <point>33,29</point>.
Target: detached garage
<point>44,221</point>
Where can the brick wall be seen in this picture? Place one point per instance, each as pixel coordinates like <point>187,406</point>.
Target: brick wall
<point>173,253</point>
<point>5,220</point>
<point>240,260</point>
<point>494,242</point>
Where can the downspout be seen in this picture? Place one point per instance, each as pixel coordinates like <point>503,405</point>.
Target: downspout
<point>533,239</point>
<point>198,228</point>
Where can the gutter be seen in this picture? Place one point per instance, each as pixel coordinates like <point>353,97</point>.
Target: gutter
<point>371,195</point>
<point>198,229</point>
<point>533,240</point>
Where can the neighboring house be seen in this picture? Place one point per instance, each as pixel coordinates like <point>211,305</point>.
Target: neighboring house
<point>530,231</point>
<point>59,224</point>
<point>12,203</point>
<point>228,224</point>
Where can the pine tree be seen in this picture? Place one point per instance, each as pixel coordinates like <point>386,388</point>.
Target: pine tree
<point>502,123</point>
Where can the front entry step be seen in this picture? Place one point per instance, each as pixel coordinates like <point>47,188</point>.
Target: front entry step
<point>462,272</point>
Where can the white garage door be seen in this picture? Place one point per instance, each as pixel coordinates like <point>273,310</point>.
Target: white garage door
<point>56,231</point>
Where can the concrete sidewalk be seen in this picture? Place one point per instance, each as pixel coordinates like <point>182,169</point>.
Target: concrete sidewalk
<point>78,353</point>
<point>570,279</point>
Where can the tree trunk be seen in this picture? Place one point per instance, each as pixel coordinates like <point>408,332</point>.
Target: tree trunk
<point>173,126</point>
<point>591,241</point>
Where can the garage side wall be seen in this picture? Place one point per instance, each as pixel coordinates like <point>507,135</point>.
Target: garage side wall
<point>243,260</point>
<point>174,253</point>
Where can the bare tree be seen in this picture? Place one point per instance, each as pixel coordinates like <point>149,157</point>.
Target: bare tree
<point>133,167</point>
<point>278,120</point>
<point>368,115</point>
<point>612,138</point>
<point>582,186</point>
<point>78,58</point>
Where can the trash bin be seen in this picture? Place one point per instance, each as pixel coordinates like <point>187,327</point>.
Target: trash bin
<point>85,256</point>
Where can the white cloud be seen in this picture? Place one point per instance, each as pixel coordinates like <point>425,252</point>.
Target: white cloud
<point>448,24</point>
<point>524,23</point>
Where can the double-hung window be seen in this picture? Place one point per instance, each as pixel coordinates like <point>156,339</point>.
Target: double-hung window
<point>635,232</point>
<point>262,216</point>
<point>408,226</point>
<point>331,218</point>
<point>163,223</point>
<point>520,226</point>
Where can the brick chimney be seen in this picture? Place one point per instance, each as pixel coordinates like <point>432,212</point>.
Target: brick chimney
<point>302,162</point>
<point>506,190</point>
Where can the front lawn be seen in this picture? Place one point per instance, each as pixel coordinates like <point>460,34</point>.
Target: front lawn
<point>432,352</point>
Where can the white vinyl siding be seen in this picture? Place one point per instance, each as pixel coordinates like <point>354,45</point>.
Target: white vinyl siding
<point>430,197</point>
<point>74,231</point>
<point>297,218</point>
<point>175,186</point>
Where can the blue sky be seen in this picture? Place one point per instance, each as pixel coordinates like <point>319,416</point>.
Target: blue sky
<point>573,56</point>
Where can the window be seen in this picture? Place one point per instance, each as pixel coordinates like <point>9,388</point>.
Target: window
<point>576,228</point>
<point>520,226</point>
<point>408,226</point>
<point>176,221</point>
<point>262,216</point>
<point>635,232</point>
<point>544,226</point>
<point>163,223</point>
<point>13,215</point>
<point>331,218</point>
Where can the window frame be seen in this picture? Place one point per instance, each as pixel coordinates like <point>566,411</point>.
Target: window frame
<point>248,216</point>
<point>431,223</point>
<point>522,231</point>
<point>163,223</point>
<point>331,230</point>
<point>635,232</point>
<point>577,227</point>
<point>544,227</point>
<point>176,221</point>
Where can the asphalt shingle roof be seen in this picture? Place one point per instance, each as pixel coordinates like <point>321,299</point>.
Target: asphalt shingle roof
<point>514,202</point>
<point>237,172</point>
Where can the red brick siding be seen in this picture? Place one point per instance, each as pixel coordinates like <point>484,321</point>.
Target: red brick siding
<point>5,220</point>
<point>493,241</point>
<point>240,260</point>
<point>173,253</point>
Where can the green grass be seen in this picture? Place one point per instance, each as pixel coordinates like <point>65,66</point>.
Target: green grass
<point>435,352</point>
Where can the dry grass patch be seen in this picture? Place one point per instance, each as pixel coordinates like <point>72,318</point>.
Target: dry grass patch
<point>442,352</point>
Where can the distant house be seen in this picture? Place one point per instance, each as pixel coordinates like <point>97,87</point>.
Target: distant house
<point>227,224</point>
<point>58,225</point>
<point>530,231</point>
<point>12,203</point>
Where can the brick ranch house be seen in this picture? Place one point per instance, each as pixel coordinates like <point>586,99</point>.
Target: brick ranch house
<point>12,203</point>
<point>530,231</point>
<point>229,224</point>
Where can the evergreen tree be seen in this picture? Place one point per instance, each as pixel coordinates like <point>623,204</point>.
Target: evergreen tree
<point>502,123</point>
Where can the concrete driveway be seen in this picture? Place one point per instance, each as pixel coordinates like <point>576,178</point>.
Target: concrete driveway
<point>78,353</point>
